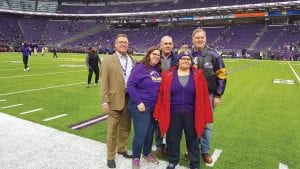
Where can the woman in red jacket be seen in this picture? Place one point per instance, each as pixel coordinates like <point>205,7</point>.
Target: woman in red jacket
<point>183,105</point>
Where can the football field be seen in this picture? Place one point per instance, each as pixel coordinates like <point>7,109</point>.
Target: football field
<point>257,125</point>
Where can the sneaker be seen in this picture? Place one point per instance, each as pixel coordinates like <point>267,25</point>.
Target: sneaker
<point>207,158</point>
<point>135,163</point>
<point>151,159</point>
<point>25,70</point>
<point>28,68</point>
<point>88,86</point>
<point>95,84</point>
<point>171,166</point>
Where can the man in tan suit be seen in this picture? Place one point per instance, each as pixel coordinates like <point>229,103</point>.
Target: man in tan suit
<point>115,71</point>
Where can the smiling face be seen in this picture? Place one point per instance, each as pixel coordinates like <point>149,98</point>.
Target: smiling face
<point>199,39</point>
<point>185,62</point>
<point>166,45</point>
<point>121,45</point>
<point>154,57</point>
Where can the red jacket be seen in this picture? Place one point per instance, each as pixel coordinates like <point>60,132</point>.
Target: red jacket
<point>203,111</point>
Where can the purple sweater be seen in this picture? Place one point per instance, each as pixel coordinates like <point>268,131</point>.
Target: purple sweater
<point>143,85</point>
<point>183,98</point>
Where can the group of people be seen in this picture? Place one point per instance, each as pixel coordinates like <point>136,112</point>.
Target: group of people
<point>27,51</point>
<point>164,94</point>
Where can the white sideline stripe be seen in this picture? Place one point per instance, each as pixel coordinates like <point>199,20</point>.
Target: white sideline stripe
<point>4,100</point>
<point>55,117</point>
<point>7,77</point>
<point>283,166</point>
<point>15,105</point>
<point>51,87</point>
<point>215,157</point>
<point>89,122</point>
<point>30,111</point>
<point>294,72</point>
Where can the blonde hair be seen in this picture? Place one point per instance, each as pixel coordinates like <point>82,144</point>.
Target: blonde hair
<point>184,48</point>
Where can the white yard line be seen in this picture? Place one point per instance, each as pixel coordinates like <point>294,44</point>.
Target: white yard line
<point>42,74</point>
<point>4,100</point>
<point>51,87</point>
<point>294,72</point>
<point>34,68</point>
<point>89,122</point>
<point>55,117</point>
<point>15,105</point>
<point>215,157</point>
<point>30,111</point>
<point>283,166</point>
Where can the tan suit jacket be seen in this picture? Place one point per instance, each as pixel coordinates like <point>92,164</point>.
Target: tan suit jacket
<point>113,83</point>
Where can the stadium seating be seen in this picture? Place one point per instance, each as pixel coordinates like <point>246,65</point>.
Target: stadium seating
<point>10,32</point>
<point>153,6</point>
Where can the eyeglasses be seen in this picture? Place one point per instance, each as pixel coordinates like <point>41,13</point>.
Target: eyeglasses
<point>185,59</point>
<point>155,54</point>
<point>123,42</point>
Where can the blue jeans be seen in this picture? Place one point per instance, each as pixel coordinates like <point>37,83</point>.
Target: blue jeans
<point>206,135</point>
<point>144,125</point>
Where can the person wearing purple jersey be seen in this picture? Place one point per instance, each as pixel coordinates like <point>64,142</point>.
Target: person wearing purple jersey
<point>25,53</point>
<point>142,87</point>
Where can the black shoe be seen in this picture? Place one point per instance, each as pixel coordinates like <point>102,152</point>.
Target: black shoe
<point>125,154</point>
<point>111,164</point>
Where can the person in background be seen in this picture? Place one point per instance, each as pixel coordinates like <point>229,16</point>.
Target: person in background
<point>115,71</point>
<point>92,62</point>
<point>168,59</point>
<point>25,53</point>
<point>55,52</point>
<point>142,87</point>
<point>43,51</point>
<point>212,64</point>
<point>183,105</point>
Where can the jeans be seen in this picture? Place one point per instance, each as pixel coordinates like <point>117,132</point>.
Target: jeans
<point>186,123</point>
<point>206,135</point>
<point>144,126</point>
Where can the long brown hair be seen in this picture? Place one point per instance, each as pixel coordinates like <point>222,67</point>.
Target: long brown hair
<point>146,59</point>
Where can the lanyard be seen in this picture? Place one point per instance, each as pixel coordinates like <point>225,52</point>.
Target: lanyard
<point>124,69</point>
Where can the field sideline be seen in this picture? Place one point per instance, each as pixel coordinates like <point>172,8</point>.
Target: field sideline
<point>257,125</point>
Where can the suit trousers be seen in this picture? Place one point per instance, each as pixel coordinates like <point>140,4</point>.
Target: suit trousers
<point>118,130</point>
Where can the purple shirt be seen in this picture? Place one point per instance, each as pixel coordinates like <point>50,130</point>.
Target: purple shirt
<point>25,51</point>
<point>143,85</point>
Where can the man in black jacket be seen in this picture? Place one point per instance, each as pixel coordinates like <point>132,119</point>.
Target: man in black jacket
<point>212,64</point>
<point>92,63</point>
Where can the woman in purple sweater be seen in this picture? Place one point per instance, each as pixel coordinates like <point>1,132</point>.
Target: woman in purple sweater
<point>142,87</point>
